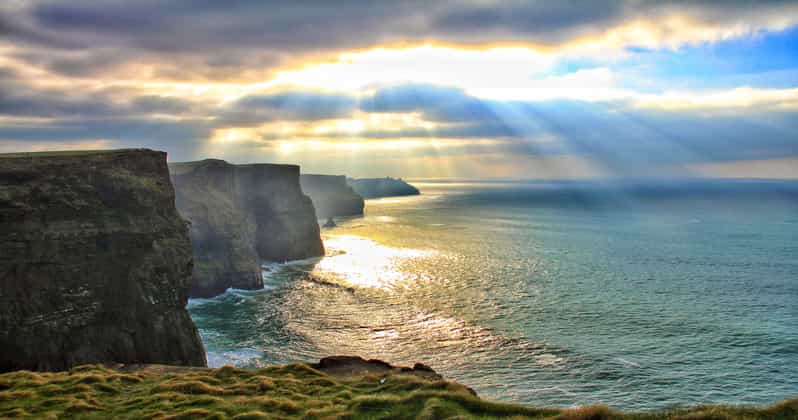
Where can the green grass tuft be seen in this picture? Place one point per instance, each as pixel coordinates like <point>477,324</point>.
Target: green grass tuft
<point>189,387</point>
<point>291,391</point>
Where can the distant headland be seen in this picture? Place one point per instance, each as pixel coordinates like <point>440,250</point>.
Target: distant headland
<point>382,187</point>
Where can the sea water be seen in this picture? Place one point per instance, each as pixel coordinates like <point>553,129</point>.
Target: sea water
<point>637,295</point>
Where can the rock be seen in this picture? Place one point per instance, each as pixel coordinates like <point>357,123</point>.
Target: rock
<point>95,262</point>
<point>350,366</point>
<point>330,223</point>
<point>331,195</point>
<point>241,215</point>
<point>382,187</point>
<point>222,233</point>
<point>287,227</point>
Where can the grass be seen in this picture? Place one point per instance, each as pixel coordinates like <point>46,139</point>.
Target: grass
<point>59,153</point>
<point>291,391</point>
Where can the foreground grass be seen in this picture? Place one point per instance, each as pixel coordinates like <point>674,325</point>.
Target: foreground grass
<point>292,391</point>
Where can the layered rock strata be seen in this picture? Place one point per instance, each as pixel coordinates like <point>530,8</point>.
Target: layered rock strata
<point>241,215</point>
<point>95,262</point>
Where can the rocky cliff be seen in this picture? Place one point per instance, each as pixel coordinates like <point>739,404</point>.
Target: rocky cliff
<point>222,233</point>
<point>382,187</point>
<point>241,215</point>
<point>331,195</point>
<point>95,262</point>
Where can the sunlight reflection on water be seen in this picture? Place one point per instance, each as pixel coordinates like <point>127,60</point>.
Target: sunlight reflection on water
<point>360,262</point>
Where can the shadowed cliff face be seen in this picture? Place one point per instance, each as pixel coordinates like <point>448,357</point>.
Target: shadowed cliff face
<point>331,195</point>
<point>287,228</point>
<point>241,215</point>
<point>222,234</point>
<point>95,262</point>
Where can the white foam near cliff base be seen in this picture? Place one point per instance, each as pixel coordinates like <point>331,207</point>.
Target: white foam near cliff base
<point>238,357</point>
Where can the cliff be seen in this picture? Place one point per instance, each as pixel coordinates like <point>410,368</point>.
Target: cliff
<point>331,195</point>
<point>382,187</point>
<point>222,233</point>
<point>95,262</point>
<point>334,388</point>
<point>287,227</point>
<point>241,215</point>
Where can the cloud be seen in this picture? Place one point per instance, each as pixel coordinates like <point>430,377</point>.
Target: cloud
<point>621,135</point>
<point>733,99</point>
<point>19,100</point>
<point>355,23</point>
<point>437,102</point>
<point>183,139</point>
<point>280,33</point>
<point>308,106</point>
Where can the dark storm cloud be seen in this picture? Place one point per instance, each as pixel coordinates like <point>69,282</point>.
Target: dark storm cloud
<point>555,21</point>
<point>189,24</point>
<point>182,138</point>
<point>558,19</point>
<point>62,116</point>
<point>287,106</point>
<point>277,30</point>
<point>19,100</point>
<point>21,33</point>
<point>199,25</point>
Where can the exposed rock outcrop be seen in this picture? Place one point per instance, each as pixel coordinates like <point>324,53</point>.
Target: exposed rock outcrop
<point>241,215</point>
<point>95,262</point>
<point>348,366</point>
<point>382,187</point>
<point>331,195</point>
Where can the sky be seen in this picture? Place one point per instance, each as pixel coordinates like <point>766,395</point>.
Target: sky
<point>418,89</point>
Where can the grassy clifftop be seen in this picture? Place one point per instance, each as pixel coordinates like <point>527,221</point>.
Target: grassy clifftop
<point>292,391</point>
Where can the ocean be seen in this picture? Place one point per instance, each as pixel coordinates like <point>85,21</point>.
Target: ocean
<point>639,295</point>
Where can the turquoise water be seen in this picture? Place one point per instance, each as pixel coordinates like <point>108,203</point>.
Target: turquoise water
<point>546,293</point>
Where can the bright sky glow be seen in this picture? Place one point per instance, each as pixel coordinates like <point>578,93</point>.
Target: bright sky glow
<point>475,89</point>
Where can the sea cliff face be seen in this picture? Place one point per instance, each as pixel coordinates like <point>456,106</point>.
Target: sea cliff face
<point>222,233</point>
<point>287,228</point>
<point>241,215</point>
<point>95,262</point>
<point>382,187</point>
<point>331,195</point>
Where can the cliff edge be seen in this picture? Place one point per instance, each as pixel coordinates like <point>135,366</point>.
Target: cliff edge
<point>95,262</point>
<point>331,195</point>
<point>334,388</point>
<point>241,215</point>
